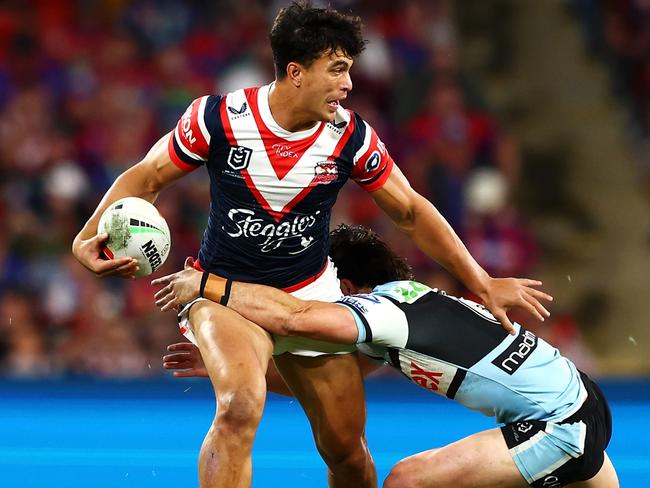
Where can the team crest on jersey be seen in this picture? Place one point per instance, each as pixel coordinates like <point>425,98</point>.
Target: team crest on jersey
<point>325,172</point>
<point>239,157</point>
<point>241,110</point>
<point>373,161</point>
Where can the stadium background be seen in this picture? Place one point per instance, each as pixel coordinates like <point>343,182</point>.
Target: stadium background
<point>527,123</point>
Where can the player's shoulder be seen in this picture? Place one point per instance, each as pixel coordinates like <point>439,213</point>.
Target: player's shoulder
<point>202,106</point>
<point>403,291</point>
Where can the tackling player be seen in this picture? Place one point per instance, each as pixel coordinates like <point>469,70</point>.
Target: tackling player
<point>557,421</point>
<point>276,157</point>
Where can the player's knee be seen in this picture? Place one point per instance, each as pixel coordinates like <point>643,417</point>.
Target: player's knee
<point>341,448</point>
<point>240,410</point>
<point>401,476</point>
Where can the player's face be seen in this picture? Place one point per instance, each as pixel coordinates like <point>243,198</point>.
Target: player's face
<point>326,84</point>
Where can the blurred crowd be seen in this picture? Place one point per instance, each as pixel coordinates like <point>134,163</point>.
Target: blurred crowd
<point>87,87</point>
<point>617,32</point>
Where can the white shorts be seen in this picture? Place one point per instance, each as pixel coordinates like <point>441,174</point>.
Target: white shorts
<point>326,288</point>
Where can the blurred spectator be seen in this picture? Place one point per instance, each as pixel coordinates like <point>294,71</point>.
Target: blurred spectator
<point>493,232</point>
<point>447,142</point>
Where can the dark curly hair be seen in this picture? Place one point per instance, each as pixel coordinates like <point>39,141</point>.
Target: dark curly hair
<point>302,33</point>
<point>363,258</point>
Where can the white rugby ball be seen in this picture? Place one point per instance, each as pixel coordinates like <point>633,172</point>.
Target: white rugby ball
<point>136,229</point>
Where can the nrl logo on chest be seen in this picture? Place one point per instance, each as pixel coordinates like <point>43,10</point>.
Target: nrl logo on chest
<point>239,157</point>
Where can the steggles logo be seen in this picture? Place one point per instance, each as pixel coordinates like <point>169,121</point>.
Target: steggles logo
<point>290,234</point>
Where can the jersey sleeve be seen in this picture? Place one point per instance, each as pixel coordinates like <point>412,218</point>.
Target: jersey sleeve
<point>189,145</point>
<point>372,162</point>
<point>378,320</point>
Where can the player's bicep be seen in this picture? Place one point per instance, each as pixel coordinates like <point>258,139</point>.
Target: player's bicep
<point>396,197</point>
<point>156,170</point>
<point>325,321</point>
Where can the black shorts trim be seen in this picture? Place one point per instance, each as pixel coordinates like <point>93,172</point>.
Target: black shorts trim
<point>596,416</point>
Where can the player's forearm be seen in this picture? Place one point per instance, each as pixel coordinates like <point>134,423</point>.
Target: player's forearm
<point>280,313</point>
<point>145,180</point>
<point>434,236</point>
<point>269,307</point>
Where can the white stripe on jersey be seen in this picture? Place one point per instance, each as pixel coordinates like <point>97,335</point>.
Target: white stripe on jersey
<point>277,192</point>
<point>267,117</point>
<point>185,149</point>
<point>201,119</point>
<point>366,143</point>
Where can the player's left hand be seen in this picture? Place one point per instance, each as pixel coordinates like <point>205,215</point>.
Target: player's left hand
<point>185,359</point>
<point>179,288</point>
<point>502,294</point>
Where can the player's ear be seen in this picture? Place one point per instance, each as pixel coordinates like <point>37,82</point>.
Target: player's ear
<point>294,74</point>
<point>347,287</point>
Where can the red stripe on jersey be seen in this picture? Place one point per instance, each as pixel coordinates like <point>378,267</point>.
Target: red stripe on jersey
<point>197,266</point>
<point>200,146</point>
<point>225,121</point>
<point>349,130</point>
<point>282,153</point>
<point>174,157</point>
<point>189,132</point>
<point>230,137</point>
<point>303,283</point>
<point>378,183</point>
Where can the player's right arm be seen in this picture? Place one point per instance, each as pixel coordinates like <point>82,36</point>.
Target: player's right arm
<point>270,308</point>
<point>182,150</point>
<point>145,180</point>
<point>283,314</point>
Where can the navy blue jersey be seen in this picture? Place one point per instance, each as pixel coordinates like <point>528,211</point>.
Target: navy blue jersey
<point>271,190</point>
<point>456,348</point>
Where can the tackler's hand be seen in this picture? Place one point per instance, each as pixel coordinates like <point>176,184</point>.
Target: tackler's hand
<point>502,294</point>
<point>185,359</point>
<point>178,288</point>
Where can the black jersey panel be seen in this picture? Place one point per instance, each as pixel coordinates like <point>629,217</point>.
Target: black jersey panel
<point>454,333</point>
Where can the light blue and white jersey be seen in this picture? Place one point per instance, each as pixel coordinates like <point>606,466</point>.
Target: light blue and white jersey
<point>456,348</point>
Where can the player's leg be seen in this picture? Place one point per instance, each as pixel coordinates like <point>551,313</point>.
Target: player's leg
<point>330,390</point>
<point>606,477</point>
<point>236,353</point>
<point>479,461</point>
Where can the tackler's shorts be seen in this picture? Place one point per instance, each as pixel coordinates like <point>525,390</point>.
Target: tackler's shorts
<point>554,454</point>
<point>324,287</point>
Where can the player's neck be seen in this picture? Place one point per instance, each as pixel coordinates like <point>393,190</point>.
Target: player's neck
<point>286,108</point>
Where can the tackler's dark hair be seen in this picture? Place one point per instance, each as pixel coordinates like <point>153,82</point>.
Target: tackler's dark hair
<point>302,33</point>
<point>363,258</point>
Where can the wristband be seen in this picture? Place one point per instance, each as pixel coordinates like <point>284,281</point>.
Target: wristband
<point>215,288</point>
<point>226,293</point>
<point>204,280</point>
